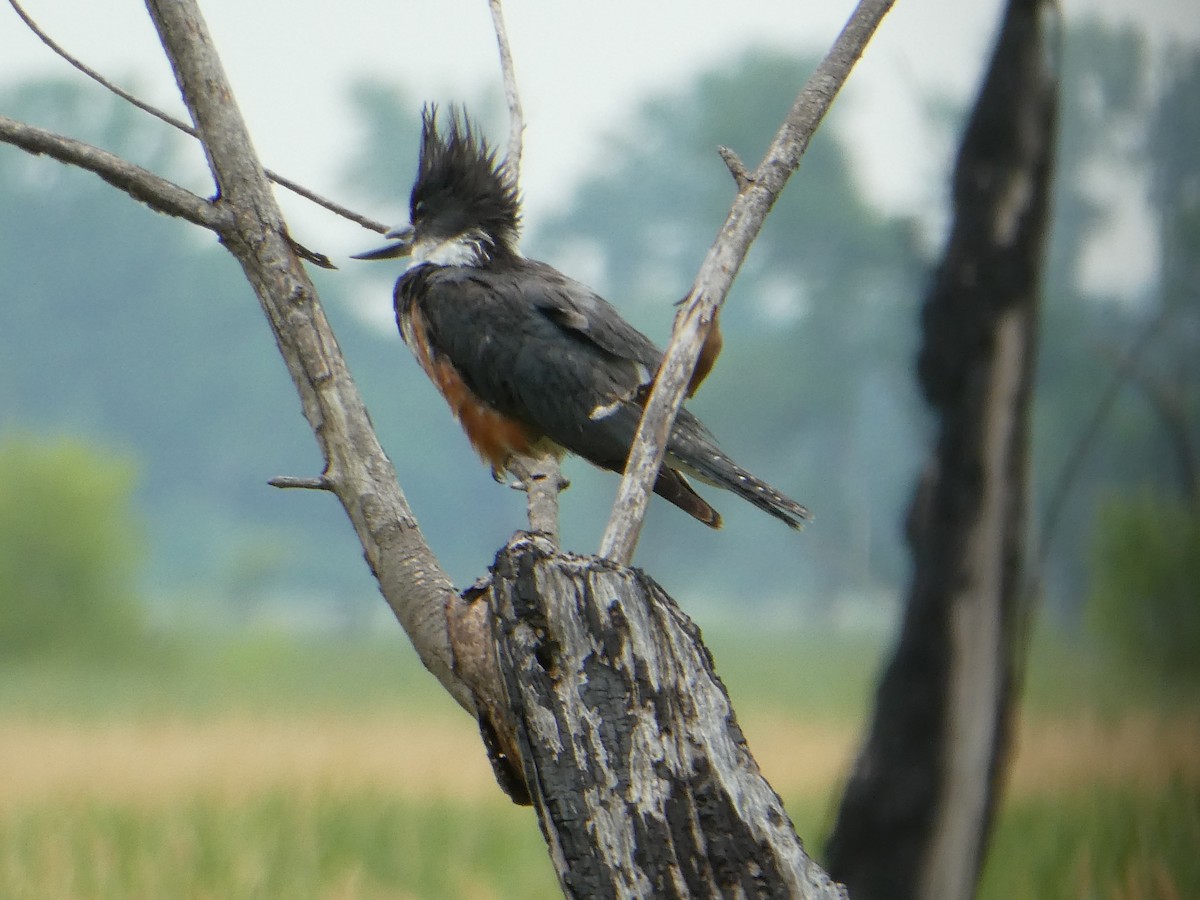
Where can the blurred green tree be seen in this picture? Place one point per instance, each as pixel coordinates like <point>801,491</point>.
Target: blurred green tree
<point>1120,130</point>
<point>1144,604</point>
<point>70,549</point>
<point>1173,385</point>
<point>1144,599</point>
<point>138,331</point>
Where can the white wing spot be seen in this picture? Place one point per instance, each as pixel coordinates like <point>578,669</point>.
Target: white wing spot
<point>604,411</point>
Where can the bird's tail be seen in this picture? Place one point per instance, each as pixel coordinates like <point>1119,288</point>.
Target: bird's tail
<point>693,450</point>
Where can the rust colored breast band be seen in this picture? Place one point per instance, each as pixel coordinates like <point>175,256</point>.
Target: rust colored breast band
<point>494,436</point>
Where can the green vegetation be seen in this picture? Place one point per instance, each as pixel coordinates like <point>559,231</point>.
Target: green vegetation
<point>1111,843</point>
<point>69,550</point>
<point>277,845</point>
<point>1145,598</point>
<point>264,767</point>
<point>204,676</point>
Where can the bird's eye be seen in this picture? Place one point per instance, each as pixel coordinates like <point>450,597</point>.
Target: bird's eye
<point>419,209</point>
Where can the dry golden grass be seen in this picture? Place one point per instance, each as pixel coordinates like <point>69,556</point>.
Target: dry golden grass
<point>159,762</point>
<point>1139,749</point>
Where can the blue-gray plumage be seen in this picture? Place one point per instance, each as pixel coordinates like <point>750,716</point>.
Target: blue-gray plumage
<point>528,359</point>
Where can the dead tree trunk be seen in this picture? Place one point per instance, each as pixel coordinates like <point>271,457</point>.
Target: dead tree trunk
<point>621,722</point>
<point>917,811</point>
<point>598,701</point>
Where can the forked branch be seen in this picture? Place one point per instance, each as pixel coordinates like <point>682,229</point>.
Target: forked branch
<point>179,124</point>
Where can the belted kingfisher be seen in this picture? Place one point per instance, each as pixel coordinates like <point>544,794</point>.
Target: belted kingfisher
<point>529,360</point>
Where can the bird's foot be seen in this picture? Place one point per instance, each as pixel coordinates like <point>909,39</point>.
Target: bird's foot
<point>500,476</point>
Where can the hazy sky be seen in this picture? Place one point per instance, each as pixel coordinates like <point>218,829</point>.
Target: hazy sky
<point>581,67</point>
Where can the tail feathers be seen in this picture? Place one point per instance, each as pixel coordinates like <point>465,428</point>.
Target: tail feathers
<point>672,486</point>
<point>693,452</point>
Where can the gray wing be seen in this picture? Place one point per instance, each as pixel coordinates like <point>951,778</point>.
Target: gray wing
<point>545,351</point>
<point>577,308</point>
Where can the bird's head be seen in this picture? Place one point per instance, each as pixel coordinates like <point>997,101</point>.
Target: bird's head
<point>464,209</point>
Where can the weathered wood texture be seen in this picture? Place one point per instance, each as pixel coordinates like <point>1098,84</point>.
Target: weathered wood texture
<point>356,469</point>
<point>917,811</point>
<point>622,723</point>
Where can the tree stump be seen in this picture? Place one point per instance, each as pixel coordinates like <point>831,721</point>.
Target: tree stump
<point>627,742</point>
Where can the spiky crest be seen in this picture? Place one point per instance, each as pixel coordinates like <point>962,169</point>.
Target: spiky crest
<point>461,187</point>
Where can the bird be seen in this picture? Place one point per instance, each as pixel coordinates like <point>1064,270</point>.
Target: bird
<point>529,360</point>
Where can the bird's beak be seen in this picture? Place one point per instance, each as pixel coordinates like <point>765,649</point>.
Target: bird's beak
<point>403,245</point>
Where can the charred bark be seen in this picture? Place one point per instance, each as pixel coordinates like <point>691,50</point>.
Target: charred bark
<point>619,721</point>
<point>917,811</point>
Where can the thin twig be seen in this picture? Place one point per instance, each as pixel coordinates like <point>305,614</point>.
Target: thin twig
<point>1073,465</point>
<point>716,274</point>
<point>187,129</point>
<point>736,167</point>
<point>320,483</point>
<point>1173,413</point>
<point>335,208</point>
<point>96,76</point>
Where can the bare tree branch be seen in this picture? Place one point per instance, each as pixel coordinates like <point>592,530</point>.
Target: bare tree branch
<point>755,198</point>
<point>357,470</point>
<point>516,118</point>
<point>320,483</point>
<point>452,638</point>
<point>187,129</point>
<point>156,192</point>
<point>539,476</point>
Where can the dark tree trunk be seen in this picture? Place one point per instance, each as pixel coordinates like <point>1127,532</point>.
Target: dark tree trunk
<point>626,740</point>
<point>917,811</point>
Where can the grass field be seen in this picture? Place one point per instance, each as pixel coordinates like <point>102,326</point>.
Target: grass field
<point>275,769</point>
